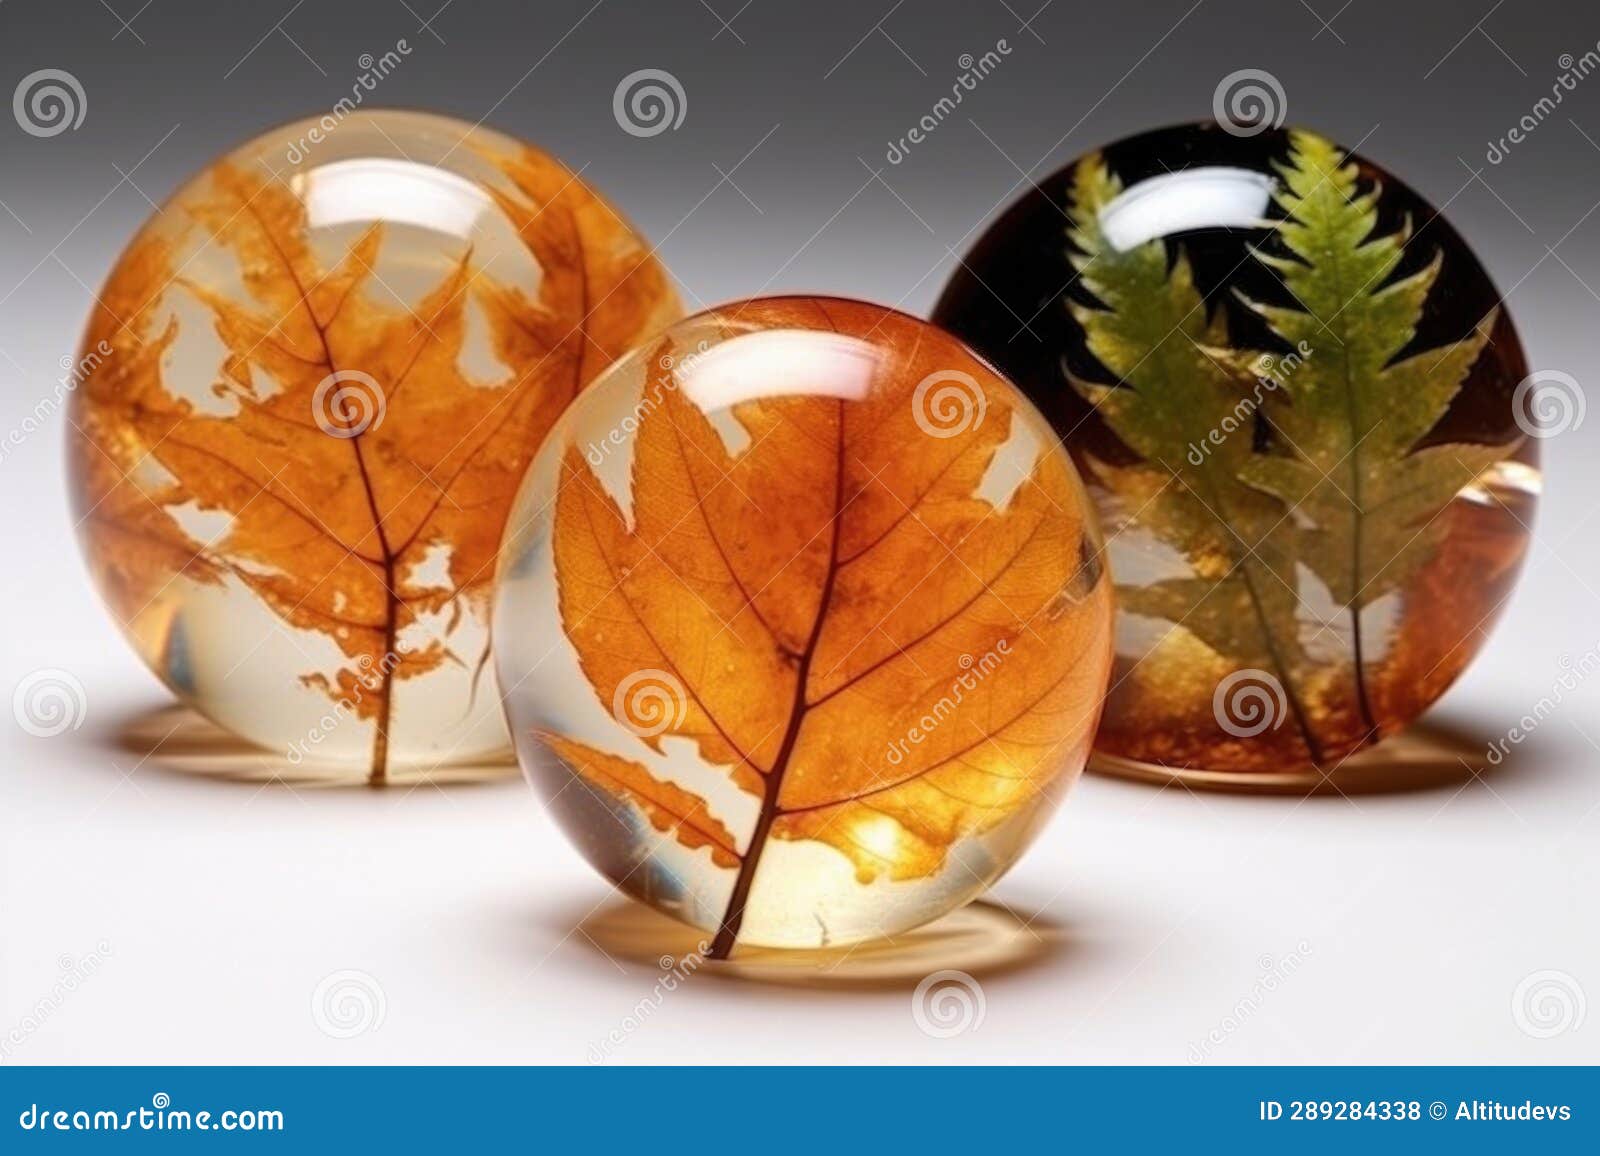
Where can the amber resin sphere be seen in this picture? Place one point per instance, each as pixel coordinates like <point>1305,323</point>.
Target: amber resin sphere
<point>802,622</point>
<point>309,390</point>
<point>1293,392</point>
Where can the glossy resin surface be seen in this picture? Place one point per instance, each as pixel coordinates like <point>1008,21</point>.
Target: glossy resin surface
<point>1292,390</point>
<point>309,391</point>
<point>803,623</point>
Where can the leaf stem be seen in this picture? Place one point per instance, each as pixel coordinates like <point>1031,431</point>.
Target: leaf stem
<point>1358,435</point>
<point>1281,667</point>
<point>1369,718</point>
<point>378,774</point>
<point>733,915</point>
<point>1296,707</point>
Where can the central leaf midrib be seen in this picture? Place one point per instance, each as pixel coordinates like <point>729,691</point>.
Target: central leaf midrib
<point>733,916</point>
<point>379,768</point>
<point>1334,262</point>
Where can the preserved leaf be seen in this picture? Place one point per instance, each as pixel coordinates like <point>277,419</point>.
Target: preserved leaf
<point>668,805</point>
<point>815,592</point>
<point>1334,481</point>
<point>1348,420</point>
<point>339,511</point>
<point>1300,402</point>
<point>1177,380</point>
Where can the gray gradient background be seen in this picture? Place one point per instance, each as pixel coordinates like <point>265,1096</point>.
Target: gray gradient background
<point>226,905</point>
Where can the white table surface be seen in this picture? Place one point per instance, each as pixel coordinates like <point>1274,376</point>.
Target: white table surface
<point>219,907</point>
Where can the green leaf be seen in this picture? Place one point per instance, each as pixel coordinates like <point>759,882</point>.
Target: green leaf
<point>1366,501</point>
<point>1176,382</point>
<point>1348,418</point>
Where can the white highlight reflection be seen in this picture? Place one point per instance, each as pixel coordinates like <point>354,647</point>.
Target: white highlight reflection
<point>1209,197</point>
<point>381,189</point>
<point>779,363</point>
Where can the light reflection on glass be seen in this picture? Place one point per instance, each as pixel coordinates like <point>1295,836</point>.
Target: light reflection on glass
<point>1202,198</point>
<point>381,189</point>
<point>779,363</point>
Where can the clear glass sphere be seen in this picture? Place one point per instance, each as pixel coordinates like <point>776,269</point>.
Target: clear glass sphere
<point>304,401</point>
<point>802,624</point>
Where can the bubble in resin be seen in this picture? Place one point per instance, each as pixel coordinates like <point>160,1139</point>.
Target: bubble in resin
<point>309,389</point>
<point>1294,394</point>
<point>802,623</point>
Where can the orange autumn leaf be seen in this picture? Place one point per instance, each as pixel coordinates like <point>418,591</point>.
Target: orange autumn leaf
<point>668,806</point>
<point>347,445</point>
<point>814,594</point>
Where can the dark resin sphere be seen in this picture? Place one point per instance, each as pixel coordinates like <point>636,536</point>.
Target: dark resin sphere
<point>1293,391</point>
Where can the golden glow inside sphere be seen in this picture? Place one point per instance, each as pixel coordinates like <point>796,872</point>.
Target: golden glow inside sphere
<point>308,392</point>
<point>802,623</point>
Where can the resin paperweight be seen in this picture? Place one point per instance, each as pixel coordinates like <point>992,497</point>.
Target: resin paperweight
<point>803,623</point>
<point>1293,393</point>
<point>309,390</point>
